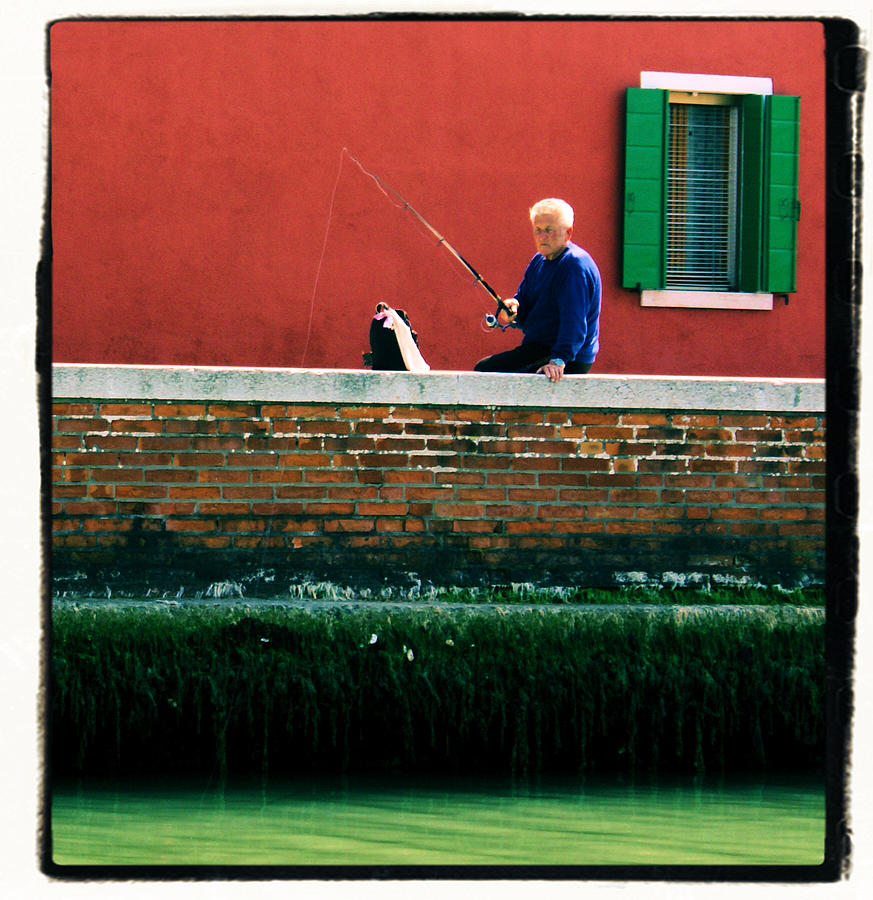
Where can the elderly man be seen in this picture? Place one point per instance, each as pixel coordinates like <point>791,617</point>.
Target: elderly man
<point>557,304</point>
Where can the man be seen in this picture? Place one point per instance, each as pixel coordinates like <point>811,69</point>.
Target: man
<point>557,304</point>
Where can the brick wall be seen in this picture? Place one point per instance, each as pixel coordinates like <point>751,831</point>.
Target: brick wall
<point>175,477</point>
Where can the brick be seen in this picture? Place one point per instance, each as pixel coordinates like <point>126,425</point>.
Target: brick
<point>91,459</point>
<point>510,478</point>
<point>490,542</point>
<point>117,475</point>
<point>206,542</point>
<point>60,409</point>
<point>146,460</point>
<point>711,465</point>
<point>191,525</point>
<point>568,511</point>
<point>246,492</point>
<point>473,526</point>
<point>795,531</point>
<point>746,513</point>
<point>63,491</point>
<point>630,495</point>
<point>589,417</point>
<point>583,495</point>
<point>352,491</point>
<point>69,441</point>
<point>77,540</point>
<point>110,442</point>
<point>349,525</point>
<point>144,491</point>
<point>741,451</point>
<point>243,525</point>
<point>258,442</point>
<point>185,492</point>
<point>500,511</point>
<point>323,426</point>
<point>531,431</point>
<point>189,426</point>
<point>612,480</point>
<point>516,417</point>
<point>106,525</point>
<point>223,509</point>
<point>180,410</point>
<point>610,512</point>
<point>791,421</point>
<point>89,508</point>
<point>84,424</point>
<point>163,442</point>
<point>643,418</point>
<point>406,444</point>
<point>232,410</point>
<point>736,481</point>
<point>324,476</point>
<point>528,527</point>
<point>694,420</point>
<point>301,526</point>
<point>532,495</point>
<point>481,494</point>
<point>584,464</point>
<point>139,410</point>
<point>459,510</point>
<point>167,475</point>
<point>635,527</point>
<point>749,421</point>
<point>784,514</point>
<point>221,476</point>
<point>364,412</point>
<point>389,525</point>
<point>63,523</point>
<point>137,426</point>
<point>669,466</point>
<point>458,477</point>
<point>416,413</point>
<point>260,541</point>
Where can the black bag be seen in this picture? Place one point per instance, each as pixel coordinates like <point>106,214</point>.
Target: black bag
<point>385,355</point>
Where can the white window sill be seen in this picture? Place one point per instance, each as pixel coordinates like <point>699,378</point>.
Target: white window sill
<point>706,300</point>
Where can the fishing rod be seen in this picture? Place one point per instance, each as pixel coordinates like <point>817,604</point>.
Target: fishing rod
<point>490,321</point>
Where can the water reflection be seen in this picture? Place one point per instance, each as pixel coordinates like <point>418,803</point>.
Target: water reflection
<point>440,821</point>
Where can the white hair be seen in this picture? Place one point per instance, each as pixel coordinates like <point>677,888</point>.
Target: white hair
<point>553,206</point>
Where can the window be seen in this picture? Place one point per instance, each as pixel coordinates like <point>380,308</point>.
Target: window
<point>710,191</point>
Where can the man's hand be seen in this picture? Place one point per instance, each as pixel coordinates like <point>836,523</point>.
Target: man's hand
<point>512,305</point>
<point>552,371</point>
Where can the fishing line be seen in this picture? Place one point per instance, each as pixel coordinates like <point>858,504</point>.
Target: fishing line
<point>321,258</point>
<point>396,200</point>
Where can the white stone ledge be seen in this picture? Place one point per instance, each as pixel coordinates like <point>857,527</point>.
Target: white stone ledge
<point>347,386</point>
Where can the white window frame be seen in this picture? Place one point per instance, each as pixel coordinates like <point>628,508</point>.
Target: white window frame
<point>709,84</point>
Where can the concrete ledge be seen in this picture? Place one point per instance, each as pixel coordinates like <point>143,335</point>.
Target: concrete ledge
<point>131,382</point>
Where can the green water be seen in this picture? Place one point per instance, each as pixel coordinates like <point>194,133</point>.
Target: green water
<point>356,821</point>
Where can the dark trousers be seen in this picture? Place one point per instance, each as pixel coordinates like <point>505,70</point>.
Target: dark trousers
<point>526,358</point>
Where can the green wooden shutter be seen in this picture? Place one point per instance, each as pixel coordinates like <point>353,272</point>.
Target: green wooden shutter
<point>769,207</point>
<point>781,207</point>
<point>645,187</point>
<point>751,192</point>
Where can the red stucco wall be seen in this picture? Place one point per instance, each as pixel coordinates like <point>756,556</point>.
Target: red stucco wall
<point>196,166</point>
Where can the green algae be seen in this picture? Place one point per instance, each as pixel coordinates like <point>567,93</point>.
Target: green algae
<point>435,688</point>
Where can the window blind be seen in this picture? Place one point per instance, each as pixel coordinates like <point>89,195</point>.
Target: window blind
<point>701,192</point>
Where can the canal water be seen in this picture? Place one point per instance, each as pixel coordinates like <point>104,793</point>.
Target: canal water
<point>440,821</point>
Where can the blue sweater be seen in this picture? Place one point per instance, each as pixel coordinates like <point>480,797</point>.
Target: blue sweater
<point>559,304</point>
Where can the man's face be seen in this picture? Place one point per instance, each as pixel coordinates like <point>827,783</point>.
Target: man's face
<point>549,235</point>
